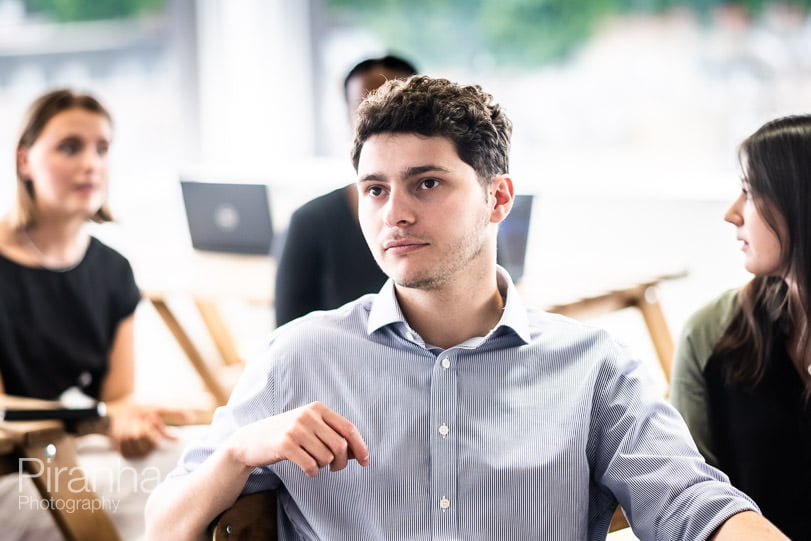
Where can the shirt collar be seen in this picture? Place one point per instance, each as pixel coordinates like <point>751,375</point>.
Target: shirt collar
<point>386,311</point>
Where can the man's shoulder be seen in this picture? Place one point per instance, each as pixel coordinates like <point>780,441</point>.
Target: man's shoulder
<point>330,202</point>
<point>548,329</point>
<point>349,319</point>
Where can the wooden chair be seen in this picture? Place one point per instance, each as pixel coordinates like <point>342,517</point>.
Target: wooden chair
<point>254,517</point>
<point>642,296</point>
<point>251,517</point>
<point>219,376</point>
<point>52,464</point>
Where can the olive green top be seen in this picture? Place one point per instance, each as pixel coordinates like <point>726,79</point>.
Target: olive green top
<point>688,385</point>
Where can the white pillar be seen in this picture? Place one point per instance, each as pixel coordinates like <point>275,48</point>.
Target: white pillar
<point>256,83</point>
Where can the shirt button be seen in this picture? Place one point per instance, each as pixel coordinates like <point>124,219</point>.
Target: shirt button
<point>444,503</point>
<point>445,363</point>
<point>444,430</point>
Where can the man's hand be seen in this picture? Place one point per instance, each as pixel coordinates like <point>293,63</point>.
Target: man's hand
<point>311,437</point>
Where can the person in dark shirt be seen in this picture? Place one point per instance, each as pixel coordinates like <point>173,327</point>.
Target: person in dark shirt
<point>742,373</point>
<point>67,301</point>
<point>325,262</point>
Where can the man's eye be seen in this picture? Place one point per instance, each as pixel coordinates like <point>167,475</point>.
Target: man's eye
<point>429,183</point>
<point>374,191</point>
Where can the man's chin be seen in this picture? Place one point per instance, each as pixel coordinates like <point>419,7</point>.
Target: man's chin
<point>416,282</point>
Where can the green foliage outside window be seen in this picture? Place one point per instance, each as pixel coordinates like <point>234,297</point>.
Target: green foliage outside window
<point>501,33</point>
<point>93,10</point>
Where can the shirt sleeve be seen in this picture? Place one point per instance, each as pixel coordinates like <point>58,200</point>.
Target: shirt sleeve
<point>642,453</point>
<point>129,294</point>
<point>252,399</point>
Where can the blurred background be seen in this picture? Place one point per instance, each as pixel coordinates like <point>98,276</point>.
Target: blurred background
<point>627,117</point>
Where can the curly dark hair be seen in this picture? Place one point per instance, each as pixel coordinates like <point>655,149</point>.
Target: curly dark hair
<point>422,105</point>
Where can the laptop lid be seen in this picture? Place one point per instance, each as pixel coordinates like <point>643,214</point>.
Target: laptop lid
<point>228,217</point>
<point>513,233</point>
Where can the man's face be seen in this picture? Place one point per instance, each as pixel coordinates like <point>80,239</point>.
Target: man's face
<point>362,83</point>
<point>422,210</point>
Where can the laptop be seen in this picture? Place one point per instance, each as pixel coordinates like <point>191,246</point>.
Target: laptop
<point>513,233</point>
<point>228,217</point>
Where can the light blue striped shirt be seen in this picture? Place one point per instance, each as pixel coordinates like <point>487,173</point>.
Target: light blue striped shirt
<point>534,431</point>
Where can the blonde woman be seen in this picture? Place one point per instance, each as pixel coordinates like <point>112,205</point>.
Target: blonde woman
<point>67,300</point>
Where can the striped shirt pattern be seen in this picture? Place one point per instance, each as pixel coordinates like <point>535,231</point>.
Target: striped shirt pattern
<point>535,431</point>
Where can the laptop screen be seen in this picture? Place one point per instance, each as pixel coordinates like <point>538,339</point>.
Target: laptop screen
<point>228,217</point>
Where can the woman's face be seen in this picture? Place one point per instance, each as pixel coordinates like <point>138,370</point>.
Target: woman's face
<point>763,254</point>
<point>68,164</point>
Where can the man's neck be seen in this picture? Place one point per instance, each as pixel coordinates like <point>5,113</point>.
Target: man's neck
<point>460,310</point>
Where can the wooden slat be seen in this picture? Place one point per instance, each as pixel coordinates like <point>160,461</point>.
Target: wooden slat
<point>210,380</point>
<point>641,296</point>
<point>219,331</point>
<point>59,480</point>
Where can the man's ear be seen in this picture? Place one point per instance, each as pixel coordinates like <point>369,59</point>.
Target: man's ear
<point>501,187</point>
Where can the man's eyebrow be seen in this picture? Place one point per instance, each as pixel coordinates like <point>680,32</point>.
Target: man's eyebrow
<point>407,173</point>
<point>372,177</point>
<point>421,169</point>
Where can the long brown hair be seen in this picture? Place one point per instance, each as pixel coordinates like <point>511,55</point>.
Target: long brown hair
<point>36,118</point>
<point>776,163</point>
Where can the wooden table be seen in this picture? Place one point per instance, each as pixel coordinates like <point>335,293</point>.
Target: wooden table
<point>643,296</point>
<point>208,278</point>
<point>47,453</point>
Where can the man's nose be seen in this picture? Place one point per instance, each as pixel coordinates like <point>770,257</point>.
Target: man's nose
<point>399,209</point>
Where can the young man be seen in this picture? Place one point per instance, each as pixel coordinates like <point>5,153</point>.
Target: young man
<point>325,262</point>
<point>441,406</point>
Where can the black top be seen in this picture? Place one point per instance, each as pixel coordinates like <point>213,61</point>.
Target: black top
<point>763,440</point>
<point>57,327</point>
<point>325,262</point>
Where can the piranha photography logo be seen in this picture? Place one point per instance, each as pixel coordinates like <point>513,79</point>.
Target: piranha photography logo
<point>70,489</point>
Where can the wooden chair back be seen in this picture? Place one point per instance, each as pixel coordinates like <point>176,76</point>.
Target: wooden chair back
<point>254,517</point>
<point>251,517</point>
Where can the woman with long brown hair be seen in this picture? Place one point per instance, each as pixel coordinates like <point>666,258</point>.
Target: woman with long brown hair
<point>742,373</point>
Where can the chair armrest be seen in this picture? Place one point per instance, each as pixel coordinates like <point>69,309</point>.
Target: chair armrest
<point>251,517</point>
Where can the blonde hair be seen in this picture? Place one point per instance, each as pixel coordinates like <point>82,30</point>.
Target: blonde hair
<point>47,106</point>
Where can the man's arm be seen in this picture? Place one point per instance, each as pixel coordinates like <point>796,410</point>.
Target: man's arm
<point>312,437</point>
<point>747,525</point>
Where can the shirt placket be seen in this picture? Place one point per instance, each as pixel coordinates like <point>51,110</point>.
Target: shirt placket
<point>443,432</point>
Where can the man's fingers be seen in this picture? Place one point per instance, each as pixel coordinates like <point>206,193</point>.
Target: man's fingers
<point>304,460</point>
<point>312,436</point>
<point>354,446</point>
<point>301,437</point>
